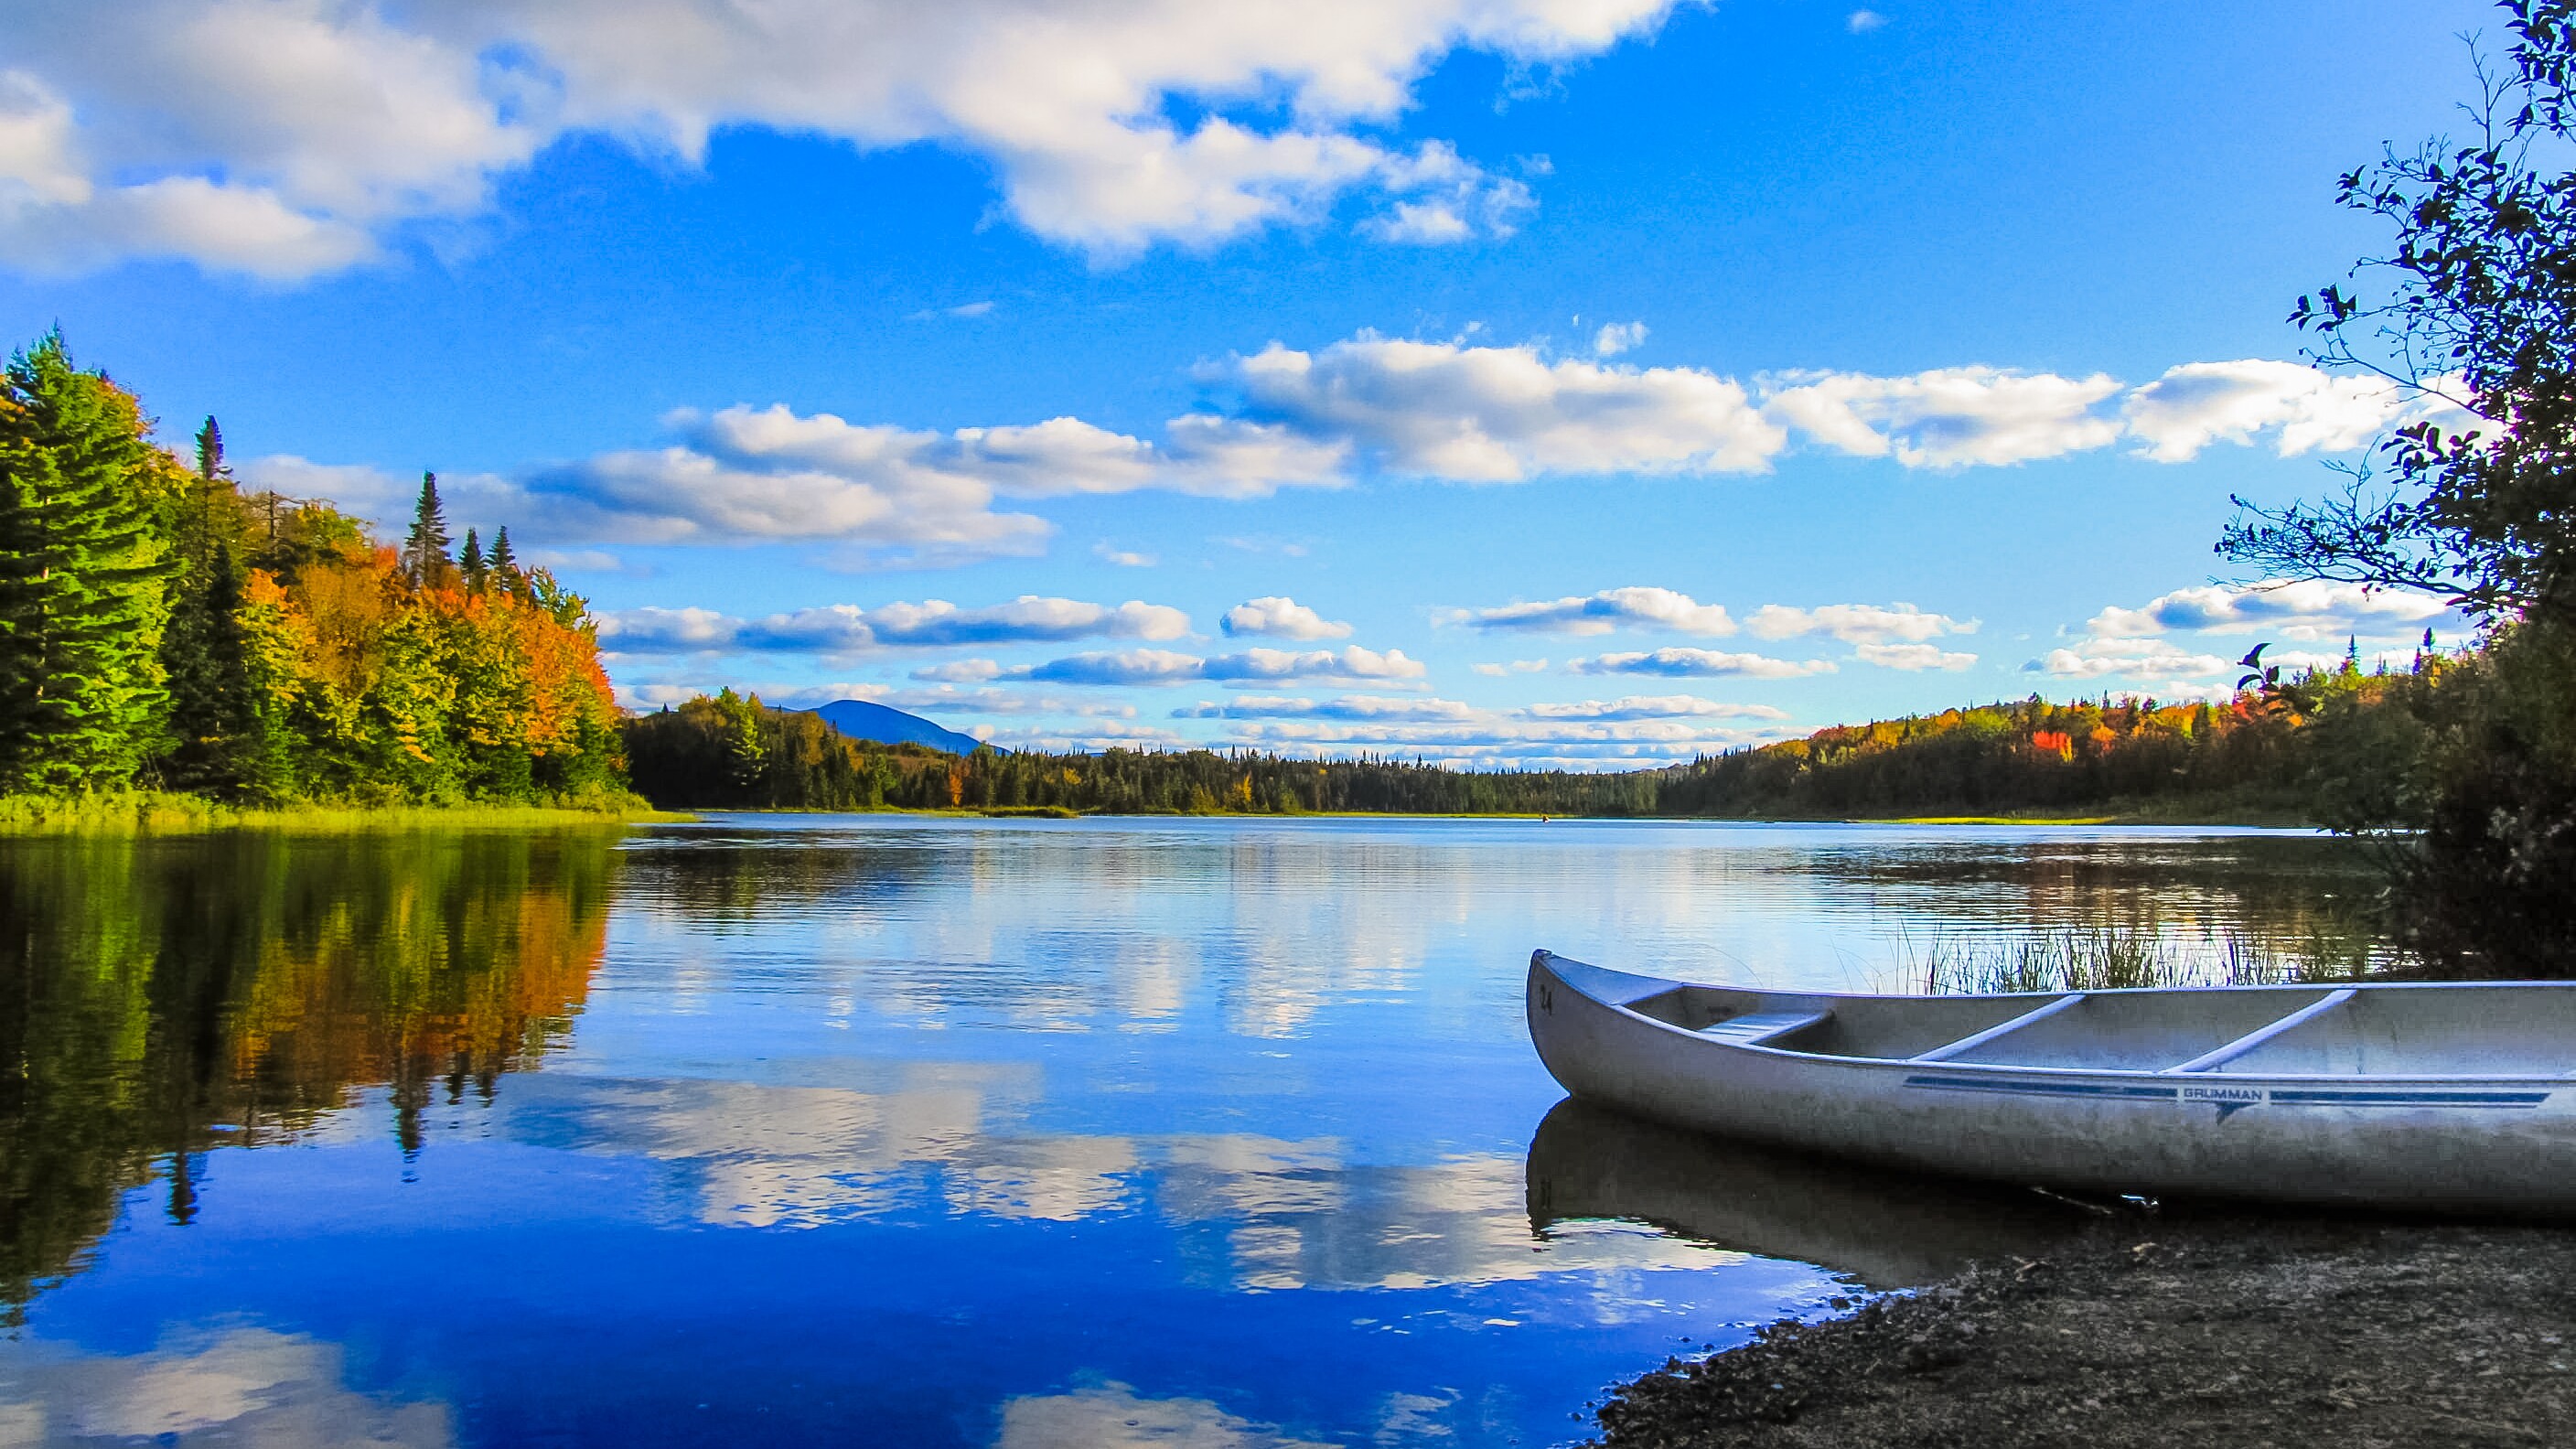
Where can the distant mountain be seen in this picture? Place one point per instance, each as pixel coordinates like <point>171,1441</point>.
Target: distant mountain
<point>861,720</point>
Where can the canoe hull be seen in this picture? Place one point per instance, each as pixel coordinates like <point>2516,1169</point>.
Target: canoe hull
<point>2458,1146</point>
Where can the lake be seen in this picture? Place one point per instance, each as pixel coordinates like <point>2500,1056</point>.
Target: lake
<point>912,1131</point>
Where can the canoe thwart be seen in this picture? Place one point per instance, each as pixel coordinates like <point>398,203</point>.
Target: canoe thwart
<point>2249,1041</point>
<point>1971,1043</point>
<point>1756,1027</point>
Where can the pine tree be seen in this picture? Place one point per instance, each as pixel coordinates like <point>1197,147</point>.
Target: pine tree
<point>470,563</point>
<point>424,553</point>
<point>83,577</point>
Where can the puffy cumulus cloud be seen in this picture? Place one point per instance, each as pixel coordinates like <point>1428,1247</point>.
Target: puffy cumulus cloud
<point>1164,666</point>
<point>1630,608</point>
<point>290,137</point>
<point>1949,417</point>
<point>2095,658</point>
<point>1912,657</point>
<point>887,495</point>
<point>2301,408</point>
<point>1280,617</point>
<point>1856,623</point>
<point>2304,610</point>
<point>277,138</point>
<point>1698,663</point>
<point>843,629</point>
<point>1505,414</point>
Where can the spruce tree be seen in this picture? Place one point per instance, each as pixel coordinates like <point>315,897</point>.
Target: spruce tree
<point>83,577</point>
<point>424,553</point>
<point>470,563</point>
<point>214,716</point>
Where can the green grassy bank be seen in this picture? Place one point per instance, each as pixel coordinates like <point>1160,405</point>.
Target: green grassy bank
<point>164,812</point>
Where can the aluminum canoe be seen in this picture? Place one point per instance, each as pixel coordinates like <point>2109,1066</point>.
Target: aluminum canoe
<point>2443,1097</point>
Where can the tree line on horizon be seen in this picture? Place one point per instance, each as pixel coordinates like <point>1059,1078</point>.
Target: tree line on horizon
<point>2332,747</point>
<point>163,628</point>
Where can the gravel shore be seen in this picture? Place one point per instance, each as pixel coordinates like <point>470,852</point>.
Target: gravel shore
<point>2169,1329</point>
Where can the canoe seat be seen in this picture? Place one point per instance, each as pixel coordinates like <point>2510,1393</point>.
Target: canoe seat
<point>1756,1027</point>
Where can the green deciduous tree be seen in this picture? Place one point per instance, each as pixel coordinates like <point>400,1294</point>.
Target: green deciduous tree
<point>2471,316</point>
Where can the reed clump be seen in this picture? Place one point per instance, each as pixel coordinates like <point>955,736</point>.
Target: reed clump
<point>2116,957</point>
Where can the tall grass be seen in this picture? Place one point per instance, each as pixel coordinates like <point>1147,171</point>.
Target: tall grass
<point>2122,956</point>
<point>163,812</point>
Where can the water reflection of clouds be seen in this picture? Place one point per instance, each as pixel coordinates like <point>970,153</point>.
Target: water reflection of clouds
<point>233,1385</point>
<point>1253,1211</point>
<point>1114,1416</point>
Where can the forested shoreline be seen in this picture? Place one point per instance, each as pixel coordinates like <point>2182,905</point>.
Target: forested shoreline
<point>163,629</point>
<point>2340,747</point>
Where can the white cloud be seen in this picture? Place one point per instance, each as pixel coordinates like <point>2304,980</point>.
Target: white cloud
<point>1855,623</point>
<point>1126,667</point>
<point>1123,558</point>
<point>1281,617</point>
<point>1862,22</point>
<point>2305,610</point>
<point>1505,414</point>
<point>1698,663</point>
<point>1354,663</point>
<point>1517,666</point>
<point>1629,608</point>
<point>1912,657</point>
<point>1617,337</point>
<point>2095,658</point>
<point>1347,707</point>
<point>1148,667</point>
<point>843,629</point>
<point>2304,410</point>
<point>324,127</point>
<point>1949,417</point>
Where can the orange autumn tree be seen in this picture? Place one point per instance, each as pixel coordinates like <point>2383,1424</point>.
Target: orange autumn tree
<point>371,683</point>
<point>161,627</point>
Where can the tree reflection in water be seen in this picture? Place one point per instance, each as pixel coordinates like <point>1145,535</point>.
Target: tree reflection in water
<point>160,997</point>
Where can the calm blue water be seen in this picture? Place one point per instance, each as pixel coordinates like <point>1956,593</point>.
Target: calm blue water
<point>931,1132</point>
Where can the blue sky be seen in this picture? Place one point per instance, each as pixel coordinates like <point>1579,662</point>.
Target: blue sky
<point>1296,375</point>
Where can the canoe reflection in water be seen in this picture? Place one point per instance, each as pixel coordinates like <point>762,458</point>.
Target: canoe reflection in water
<point>1886,1229</point>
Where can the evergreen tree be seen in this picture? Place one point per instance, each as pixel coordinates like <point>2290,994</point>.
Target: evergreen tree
<point>503,565</point>
<point>470,563</point>
<point>424,552</point>
<point>214,714</point>
<point>82,579</point>
<point>213,479</point>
